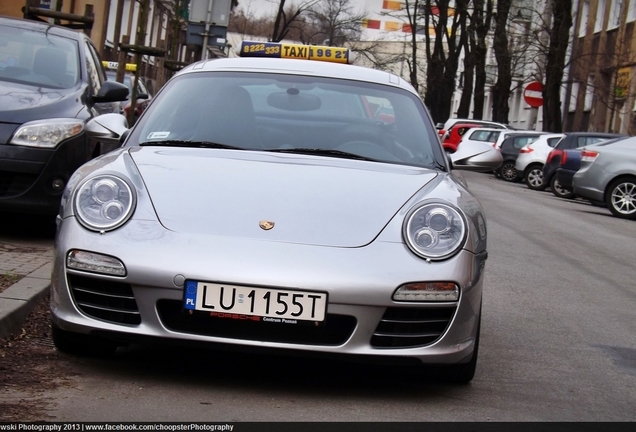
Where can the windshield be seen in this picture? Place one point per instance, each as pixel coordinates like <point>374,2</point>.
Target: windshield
<point>38,59</point>
<point>289,113</point>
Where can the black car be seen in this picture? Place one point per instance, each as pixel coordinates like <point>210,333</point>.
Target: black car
<point>510,151</point>
<point>572,140</point>
<point>51,83</point>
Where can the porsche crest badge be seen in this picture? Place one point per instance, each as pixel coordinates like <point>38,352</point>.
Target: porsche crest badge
<point>266,225</point>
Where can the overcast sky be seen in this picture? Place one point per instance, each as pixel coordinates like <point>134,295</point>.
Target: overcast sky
<point>270,7</point>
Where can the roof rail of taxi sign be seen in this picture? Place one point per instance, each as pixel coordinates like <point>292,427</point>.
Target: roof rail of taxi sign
<point>111,65</point>
<point>295,51</point>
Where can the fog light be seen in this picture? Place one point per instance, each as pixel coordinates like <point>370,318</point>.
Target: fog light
<point>57,184</point>
<point>427,291</point>
<point>95,263</point>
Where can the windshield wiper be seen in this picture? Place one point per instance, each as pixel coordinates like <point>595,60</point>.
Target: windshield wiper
<point>324,152</point>
<point>194,144</point>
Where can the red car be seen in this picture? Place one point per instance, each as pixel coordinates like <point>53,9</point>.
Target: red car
<point>454,135</point>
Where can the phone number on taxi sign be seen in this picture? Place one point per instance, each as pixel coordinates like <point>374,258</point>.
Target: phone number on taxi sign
<point>284,50</point>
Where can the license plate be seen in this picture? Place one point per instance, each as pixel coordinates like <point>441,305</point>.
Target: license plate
<point>275,304</point>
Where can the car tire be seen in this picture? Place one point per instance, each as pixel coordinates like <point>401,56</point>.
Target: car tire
<point>560,191</point>
<point>621,198</point>
<point>533,177</point>
<point>508,172</point>
<point>81,344</point>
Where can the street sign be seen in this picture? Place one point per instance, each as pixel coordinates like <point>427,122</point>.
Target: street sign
<point>533,94</point>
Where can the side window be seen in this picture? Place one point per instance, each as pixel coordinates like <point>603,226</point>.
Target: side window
<point>594,140</point>
<point>552,142</point>
<point>93,69</point>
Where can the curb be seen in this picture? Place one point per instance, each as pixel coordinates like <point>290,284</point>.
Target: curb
<point>17,301</point>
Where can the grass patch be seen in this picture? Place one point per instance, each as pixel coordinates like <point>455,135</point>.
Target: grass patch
<point>8,279</point>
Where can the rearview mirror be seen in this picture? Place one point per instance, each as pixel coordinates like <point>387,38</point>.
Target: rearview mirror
<point>476,156</point>
<point>107,128</point>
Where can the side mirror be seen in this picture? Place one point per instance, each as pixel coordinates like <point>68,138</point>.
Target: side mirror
<point>143,96</point>
<point>476,156</point>
<point>107,128</point>
<point>111,91</point>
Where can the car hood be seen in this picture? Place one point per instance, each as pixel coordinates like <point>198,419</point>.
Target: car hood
<point>20,103</point>
<point>308,199</point>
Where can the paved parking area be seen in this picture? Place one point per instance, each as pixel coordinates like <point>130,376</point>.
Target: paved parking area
<point>31,265</point>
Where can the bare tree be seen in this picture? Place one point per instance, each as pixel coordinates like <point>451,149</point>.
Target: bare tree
<point>502,88</point>
<point>481,19</point>
<point>559,41</point>
<point>285,19</point>
<point>336,22</point>
<point>244,21</point>
<point>442,53</point>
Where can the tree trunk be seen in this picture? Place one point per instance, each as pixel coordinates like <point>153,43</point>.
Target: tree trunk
<point>443,60</point>
<point>482,20</point>
<point>501,90</point>
<point>555,65</point>
<point>463,111</point>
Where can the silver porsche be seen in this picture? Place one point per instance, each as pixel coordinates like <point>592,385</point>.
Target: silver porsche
<point>285,204</point>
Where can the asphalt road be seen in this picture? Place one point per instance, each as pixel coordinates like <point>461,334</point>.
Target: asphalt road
<point>558,343</point>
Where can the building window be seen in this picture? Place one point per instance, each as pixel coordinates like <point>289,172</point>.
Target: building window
<point>573,96</point>
<point>614,15</point>
<point>600,16</point>
<point>585,16</point>
<point>589,94</point>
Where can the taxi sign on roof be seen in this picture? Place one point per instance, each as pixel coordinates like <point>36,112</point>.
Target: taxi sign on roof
<point>295,51</point>
<point>131,67</point>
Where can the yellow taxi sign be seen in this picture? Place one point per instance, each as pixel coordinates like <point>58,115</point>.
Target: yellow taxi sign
<point>295,51</point>
<point>131,67</point>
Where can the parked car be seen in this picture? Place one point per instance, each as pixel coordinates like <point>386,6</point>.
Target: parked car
<point>510,148</point>
<point>443,130</point>
<point>143,95</point>
<point>455,134</point>
<point>506,132</point>
<point>561,183</point>
<point>608,174</point>
<point>529,163</point>
<point>256,204</point>
<point>572,140</point>
<point>483,134</point>
<point>51,84</point>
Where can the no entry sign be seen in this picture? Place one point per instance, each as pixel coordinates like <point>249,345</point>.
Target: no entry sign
<point>533,94</point>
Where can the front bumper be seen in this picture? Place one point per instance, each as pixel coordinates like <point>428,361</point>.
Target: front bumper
<point>359,281</point>
<point>28,174</point>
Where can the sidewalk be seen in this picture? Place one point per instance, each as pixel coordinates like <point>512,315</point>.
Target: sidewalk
<point>33,265</point>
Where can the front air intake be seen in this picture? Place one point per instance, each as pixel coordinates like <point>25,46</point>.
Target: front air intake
<point>104,299</point>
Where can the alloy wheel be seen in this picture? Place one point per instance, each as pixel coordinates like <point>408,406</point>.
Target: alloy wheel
<point>534,178</point>
<point>622,199</point>
<point>559,190</point>
<point>508,171</point>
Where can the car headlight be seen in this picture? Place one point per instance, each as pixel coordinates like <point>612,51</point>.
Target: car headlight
<point>47,133</point>
<point>434,231</point>
<point>104,202</point>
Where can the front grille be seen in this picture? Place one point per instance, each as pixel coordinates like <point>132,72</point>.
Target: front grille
<point>411,327</point>
<point>12,184</point>
<point>334,331</point>
<point>105,299</point>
